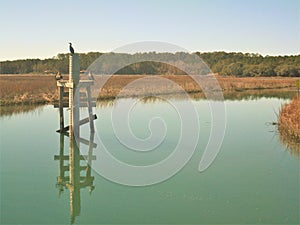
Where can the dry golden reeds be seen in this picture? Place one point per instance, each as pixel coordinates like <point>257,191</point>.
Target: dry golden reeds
<point>289,124</point>
<point>28,89</point>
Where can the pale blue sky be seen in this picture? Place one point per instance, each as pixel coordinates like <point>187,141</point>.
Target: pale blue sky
<point>41,29</point>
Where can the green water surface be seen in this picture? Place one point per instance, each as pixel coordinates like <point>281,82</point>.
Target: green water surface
<point>254,179</point>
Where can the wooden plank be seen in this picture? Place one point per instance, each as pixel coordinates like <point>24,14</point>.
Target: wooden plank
<point>61,83</point>
<point>86,120</point>
<point>64,84</point>
<point>90,153</point>
<point>61,108</point>
<point>66,104</point>
<point>87,142</point>
<point>66,157</point>
<point>82,178</point>
<point>81,94</point>
<point>90,110</point>
<point>81,122</point>
<point>69,85</point>
<point>85,83</point>
<point>81,140</point>
<point>66,168</point>
<point>82,83</point>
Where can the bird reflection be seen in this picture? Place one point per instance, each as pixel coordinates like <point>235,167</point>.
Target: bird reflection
<point>75,171</point>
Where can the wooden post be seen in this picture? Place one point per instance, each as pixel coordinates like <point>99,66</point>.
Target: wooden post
<point>90,155</point>
<point>74,132</point>
<point>74,84</point>
<point>74,179</point>
<point>90,110</point>
<point>74,73</point>
<point>61,108</point>
<point>61,154</point>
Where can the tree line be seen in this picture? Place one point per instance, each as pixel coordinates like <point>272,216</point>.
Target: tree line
<point>250,65</point>
<point>222,63</point>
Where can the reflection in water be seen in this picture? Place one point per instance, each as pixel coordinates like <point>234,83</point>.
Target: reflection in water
<point>252,179</point>
<point>234,95</point>
<point>242,95</point>
<point>291,144</point>
<point>17,109</point>
<point>75,171</point>
<point>257,94</point>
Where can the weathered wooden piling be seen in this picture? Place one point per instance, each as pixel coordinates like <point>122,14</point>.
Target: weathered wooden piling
<point>75,172</point>
<point>74,76</point>
<point>61,107</point>
<point>74,182</point>
<point>89,102</point>
<point>74,84</point>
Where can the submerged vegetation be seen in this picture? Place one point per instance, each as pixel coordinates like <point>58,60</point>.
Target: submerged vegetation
<point>289,125</point>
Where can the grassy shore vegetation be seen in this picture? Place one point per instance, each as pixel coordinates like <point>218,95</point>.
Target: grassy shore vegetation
<point>41,89</point>
<point>289,125</point>
<point>27,89</point>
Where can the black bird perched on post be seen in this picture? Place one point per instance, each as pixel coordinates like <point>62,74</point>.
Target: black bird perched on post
<point>71,49</point>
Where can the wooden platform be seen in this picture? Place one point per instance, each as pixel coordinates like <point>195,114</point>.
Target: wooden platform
<point>68,98</point>
<point>66,104</point>
<point>68,84</point>
<point>81,122</point>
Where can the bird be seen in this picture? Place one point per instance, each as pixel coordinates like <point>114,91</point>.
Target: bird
<point>58,76</point>
<point>71,49</point>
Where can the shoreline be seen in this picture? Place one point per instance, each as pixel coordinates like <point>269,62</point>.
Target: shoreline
<point>289,125</point>
<point>41,89</point>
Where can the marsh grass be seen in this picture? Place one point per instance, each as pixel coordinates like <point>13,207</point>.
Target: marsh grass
<point>41,89</point>
<point>289,125</point>
<point>27,89</point>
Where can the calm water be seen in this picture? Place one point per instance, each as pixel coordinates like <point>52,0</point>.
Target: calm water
<point>254,179</point>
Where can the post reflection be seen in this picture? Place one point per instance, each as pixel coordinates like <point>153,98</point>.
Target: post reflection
<point>75,170</point>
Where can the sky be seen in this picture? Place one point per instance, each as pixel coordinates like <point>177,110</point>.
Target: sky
<point>42,29</point>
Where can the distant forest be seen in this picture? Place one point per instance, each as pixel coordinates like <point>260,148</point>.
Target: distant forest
<point>222,63</point>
